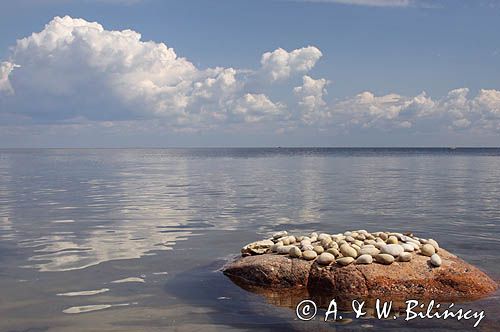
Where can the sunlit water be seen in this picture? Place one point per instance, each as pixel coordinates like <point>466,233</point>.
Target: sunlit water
<point>133,240</point>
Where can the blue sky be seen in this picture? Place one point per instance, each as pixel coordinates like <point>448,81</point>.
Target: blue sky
<point>364,73</point>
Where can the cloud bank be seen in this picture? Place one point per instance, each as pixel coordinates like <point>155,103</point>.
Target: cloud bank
<point>75,71</point>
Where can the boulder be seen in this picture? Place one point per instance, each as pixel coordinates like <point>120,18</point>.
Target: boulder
<point>417,279</point>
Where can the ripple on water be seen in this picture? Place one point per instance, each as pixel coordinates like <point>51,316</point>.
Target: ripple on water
<point>85,293</point>
<point>93,307</point>
<point>65,221</point>
<point>131,279</point>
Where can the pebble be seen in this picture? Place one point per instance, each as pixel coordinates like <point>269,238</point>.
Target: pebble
<point>348,251</point>
<point>326,259</point>
<point>408,247</point>
<point>434,244</point>
<point>372,251</point>
<point>285,240</point>
<point>383,236</point>
<point>415,245</point>
<point>405,257</point>
<point>358,243</point>
<point>333,251</point>
<point>323,236</point>
<point>326,242</point>
<point>392,249</point>
<point>318,249</point>
<point>275,247</point>
<point>257,247</point>
<point>277,235</point>
<point>295,252</point>
<point>333,245</point>
<point>309,255</point>
<point>364,259</point>
<point>356,247</point>
<point>399,236</point>
<point>392,240</point>
<point>307,247</point>
<point>305,242</point>
<point>428,250</point>
<point>284,250</point>
<point>410,240</point>
<point>292,239</point>
<point>344,261</point>
<point>436,260</point>
<point>384,259</point>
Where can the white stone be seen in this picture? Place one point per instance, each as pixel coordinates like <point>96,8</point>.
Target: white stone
<point>408,247</point>
<point>392,249</point>
<point>364,259</point>
<point>326,258</point>
<point>436,260</point>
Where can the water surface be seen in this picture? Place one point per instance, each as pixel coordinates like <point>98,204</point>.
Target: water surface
<point>129,240</point>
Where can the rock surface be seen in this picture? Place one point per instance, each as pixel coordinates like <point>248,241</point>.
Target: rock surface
<point>453,280</point>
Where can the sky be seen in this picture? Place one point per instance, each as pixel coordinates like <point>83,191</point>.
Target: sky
<point>191,73</point>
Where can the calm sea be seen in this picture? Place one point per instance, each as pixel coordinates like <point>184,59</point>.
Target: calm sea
<point>133,239</point>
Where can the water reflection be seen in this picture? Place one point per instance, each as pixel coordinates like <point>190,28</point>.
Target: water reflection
<point>120,216</point>
<point>89,217</point>
<point>96,206</point>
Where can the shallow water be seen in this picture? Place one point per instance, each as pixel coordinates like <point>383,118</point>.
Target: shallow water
<point>128,240</point>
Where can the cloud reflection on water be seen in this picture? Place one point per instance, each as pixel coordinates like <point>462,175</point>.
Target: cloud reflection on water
<point>129,224</point>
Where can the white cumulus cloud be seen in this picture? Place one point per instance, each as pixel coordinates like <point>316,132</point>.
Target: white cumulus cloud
<point>281,64</point>
<point>256,107</point>
<point>5,69</point>
<point>78,69</point>
<point>311,101</point>
<point>456,110</point>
